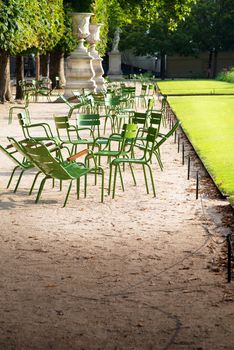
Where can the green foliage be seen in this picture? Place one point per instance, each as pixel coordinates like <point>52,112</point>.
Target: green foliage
<point>51,18</point>
<point>27,24</point>
<point>227,75</point>
<point>151,26</point>
<point>181,27</point>
<point>79,5</point>
<point>16,32</point>
<point>211,24</point>
<point>100,10</point>
<point>67,43</point>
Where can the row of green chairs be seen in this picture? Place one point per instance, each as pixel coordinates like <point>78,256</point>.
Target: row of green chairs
<point>36,154</point>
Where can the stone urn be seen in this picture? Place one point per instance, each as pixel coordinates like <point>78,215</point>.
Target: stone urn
<point>79,70</point>
<point>92,39</point>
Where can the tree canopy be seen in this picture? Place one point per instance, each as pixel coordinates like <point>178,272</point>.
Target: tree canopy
<point>30,24</point>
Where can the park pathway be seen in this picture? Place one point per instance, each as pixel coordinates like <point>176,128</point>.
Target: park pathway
<point>136,272</point>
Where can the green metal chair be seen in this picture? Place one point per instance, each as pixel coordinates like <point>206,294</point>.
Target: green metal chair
<point>142,98</point>
<point>145,119</point>
<point>119,145</point>
<point>161,139</point>
<point>151,90</point>
<point>163,109</point>
<point>150,105</point>
<point>91,121</point>
<point>141,119</point>
<point>155,120</point>
<point>22,163</point>
<point>28,128</point>
<point>144,160</point>
<point>86,101</point>
<point>43,88</point>
<point>69,134</point>
<point>72,107</point>
<point>56,168</point>
<point>21,108</point>
<point>52,146</point>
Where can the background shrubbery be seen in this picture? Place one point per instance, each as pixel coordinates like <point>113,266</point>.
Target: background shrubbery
<point>226,75</point>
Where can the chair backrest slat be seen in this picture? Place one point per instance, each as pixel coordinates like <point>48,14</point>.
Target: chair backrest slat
<point>88,119</point>
<point>139,118</point>
<point>44,160</point>
<point>129,131</point>
<point>155,119</point>
<point>24,119</point>
<point>61,122</point>
<point>151,134</point>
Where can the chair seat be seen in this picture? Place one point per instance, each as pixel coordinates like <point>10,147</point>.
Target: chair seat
<point>127,110</point>
<point>85,142</point>
<point>128,160</point>
<point>75,170</point>
<point>108,153</point>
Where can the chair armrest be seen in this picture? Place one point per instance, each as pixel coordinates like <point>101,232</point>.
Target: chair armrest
<point>45,126</point>
<point>161,135</point>
<point>78,155</point>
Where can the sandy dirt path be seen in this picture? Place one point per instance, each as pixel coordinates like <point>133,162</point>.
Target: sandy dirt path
<point>136,272</point>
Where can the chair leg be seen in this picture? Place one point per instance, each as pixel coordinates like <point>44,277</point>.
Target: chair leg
<point>133,176</point>
<point>34,181</point>
<point>157,155</point>
<point>115,175</point>
<point>121,177</point>
<point>41,188</point>
<point>104,130</point>
<point>152,179</point>
<point>19,179</point>
<point>68,192</point>
<point>110,177</point>
<point>85,186</point>
<point>146,182</point>
<point>12,174</point>
<point>102,190</point>
<point>78,188</point>
<point>95,178</point>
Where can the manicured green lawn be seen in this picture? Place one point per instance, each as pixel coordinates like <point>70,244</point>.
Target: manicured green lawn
<point>195,87</point>
<point>209,124</point>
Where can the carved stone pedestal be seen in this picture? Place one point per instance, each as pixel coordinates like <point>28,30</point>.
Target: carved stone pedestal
<point>115,72</point>
<point>79,72</point>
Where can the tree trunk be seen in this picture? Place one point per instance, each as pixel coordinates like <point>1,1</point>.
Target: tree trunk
<point>45,65</point>
<point>163,66</point>
<point>215,63</point>
<point>5,80</point>
<point>19,76</point>
<point>209,68</point>
<point>38,67</point>
<point>57,68</point>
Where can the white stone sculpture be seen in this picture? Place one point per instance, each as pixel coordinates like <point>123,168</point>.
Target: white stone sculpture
<point>115,43</point>
<point>115,72</point>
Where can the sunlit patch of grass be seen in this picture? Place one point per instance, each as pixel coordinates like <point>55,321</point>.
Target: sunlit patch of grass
<point>195,87</point>
<point>209,124</point>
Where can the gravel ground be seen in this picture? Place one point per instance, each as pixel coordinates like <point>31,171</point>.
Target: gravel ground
<point>136,272</point>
